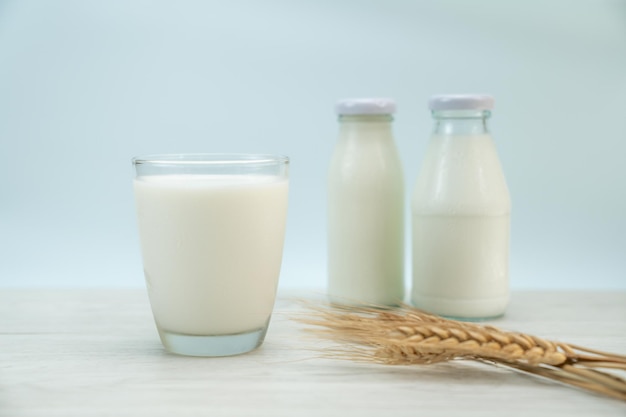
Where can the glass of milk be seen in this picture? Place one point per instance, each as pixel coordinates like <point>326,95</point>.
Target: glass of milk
<point>211,228</point>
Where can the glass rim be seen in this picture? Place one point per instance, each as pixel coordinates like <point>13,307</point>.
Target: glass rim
<point>210,159</point>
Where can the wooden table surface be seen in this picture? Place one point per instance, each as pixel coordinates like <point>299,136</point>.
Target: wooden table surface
<point>97,353</point>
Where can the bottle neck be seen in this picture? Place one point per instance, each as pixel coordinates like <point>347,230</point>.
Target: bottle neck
<point>461,122</point>
<point>365,126</point>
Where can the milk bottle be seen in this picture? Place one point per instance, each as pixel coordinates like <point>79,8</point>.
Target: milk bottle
<point>365,207</point>
<point>461,215</point>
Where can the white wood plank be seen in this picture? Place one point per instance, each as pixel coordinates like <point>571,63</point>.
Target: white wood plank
<point>97,353</point>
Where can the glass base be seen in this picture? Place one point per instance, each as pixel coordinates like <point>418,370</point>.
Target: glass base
<point>476,309</point>
<point>473,319</point>
<point>218,345</point>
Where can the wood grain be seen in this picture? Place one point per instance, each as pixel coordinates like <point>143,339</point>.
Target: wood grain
<point>97,353</point>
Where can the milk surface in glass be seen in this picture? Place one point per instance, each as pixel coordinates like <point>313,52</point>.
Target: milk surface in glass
<point>212,248</point>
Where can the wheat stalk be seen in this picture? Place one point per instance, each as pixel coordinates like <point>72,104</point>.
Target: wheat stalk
<point>408,336</point>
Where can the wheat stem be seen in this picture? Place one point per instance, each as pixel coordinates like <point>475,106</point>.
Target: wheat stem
<point>407,336</point>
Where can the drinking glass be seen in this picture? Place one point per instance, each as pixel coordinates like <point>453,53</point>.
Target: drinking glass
<point>212,228</point>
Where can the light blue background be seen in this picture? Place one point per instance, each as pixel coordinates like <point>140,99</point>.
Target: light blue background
<point>86,85</point>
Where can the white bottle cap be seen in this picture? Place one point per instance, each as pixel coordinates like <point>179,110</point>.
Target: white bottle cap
<point>461,102</point>
<point>366,106</point>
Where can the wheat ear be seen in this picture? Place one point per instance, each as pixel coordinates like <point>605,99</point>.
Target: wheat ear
<point>407,336</point>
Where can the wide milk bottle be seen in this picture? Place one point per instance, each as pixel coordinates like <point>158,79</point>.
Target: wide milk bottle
<point>365,207</point>
<point>461,215</point>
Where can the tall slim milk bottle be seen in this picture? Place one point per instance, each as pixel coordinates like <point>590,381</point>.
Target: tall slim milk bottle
<point>365,207</point>
<point>461,215</point>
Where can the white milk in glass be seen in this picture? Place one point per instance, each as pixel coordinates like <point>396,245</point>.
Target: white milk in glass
<point>212,248</point>
<point>460,234</point>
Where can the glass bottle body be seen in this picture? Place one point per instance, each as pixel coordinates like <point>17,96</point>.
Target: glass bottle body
<point>366,214</point>
<point>461,221</point>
